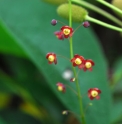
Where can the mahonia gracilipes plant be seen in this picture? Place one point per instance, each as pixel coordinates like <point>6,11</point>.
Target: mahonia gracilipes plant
<point>78,61</point>
<point>77,14</point>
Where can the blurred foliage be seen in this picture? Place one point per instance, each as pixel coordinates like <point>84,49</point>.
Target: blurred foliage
<point>28,91</point>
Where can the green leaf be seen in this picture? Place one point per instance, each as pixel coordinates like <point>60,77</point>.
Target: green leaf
<point>116,112</point>
<point>8,44</point>
<point>117,75</point>
<point>2,121</point>
<point>30,22</point>
<point>13,116</point>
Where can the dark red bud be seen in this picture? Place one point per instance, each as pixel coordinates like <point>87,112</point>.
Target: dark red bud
<point>54,22</point>
<point>86,24</point>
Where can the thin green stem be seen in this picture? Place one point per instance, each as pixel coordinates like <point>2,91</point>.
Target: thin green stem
<point>98,10</point>
<point>103,23</point>
<point>110,6</point>
<point>71,55</point>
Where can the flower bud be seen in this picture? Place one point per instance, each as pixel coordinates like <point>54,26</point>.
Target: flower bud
<point>54,22</point>
<point>86,24</point>
<point>78,13</point>
<point>118,4</point>
<point>55,2</point>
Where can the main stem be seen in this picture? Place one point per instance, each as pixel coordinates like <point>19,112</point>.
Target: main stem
<point>71,55</point>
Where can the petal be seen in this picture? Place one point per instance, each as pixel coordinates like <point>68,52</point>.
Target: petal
<point>90,69</point>
<point>98,90</point>
<point>84,68</point>
<point>55,60</point>
<point>74,64</point>
<point>90,90</point>
<point>66,36</point>
<point>97,97</point>
<point>81,66</point>
<point>50,62</point>
<point>47,55</point>
<point>72,60</point>
<point>91,97</point>
<point>76,56</point>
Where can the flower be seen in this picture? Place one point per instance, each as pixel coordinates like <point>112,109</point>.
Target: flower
<point>59,35</point>
<point>88,65</point>
<point>94,93</point>
<point>65,112</point>
<point>86,24</point>
<point>72,79</point>
<point>67,31</point>
<point>78,61</point>
<point>51,58</point>
<point>61,87</point>
<point>54,22</point>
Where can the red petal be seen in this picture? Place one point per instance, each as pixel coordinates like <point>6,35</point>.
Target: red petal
<point>90,69</point>
<point>97,97</point>
<point>91,97</point>
<point>55,60</point>
<point>90,90</point>
<point>50,62</point>
<point>84,68</point>
<point>76,56</point>
<point>48,54</point>
<point>98,90</point>
<point>81,58</point>
<point>66,36</point>
<point>72,60</point>
<point>74,64</point>
<point>81,66</point>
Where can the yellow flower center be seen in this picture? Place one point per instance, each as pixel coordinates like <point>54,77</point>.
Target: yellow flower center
<point>60,88</point>
<point>94,93</point>
<point>51,58</point>
<point>78,61</point>
<point>66,31</point>
<point>88,65</point>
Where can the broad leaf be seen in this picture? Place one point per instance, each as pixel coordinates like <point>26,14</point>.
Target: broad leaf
<point>29,22</point>
<point>8,44</point>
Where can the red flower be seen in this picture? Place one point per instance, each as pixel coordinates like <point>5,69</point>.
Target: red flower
<point>61,87</point>
<point>59,35</point>
<point>78,61</point>
<point>67,31</point>
<point>88,65</point>
<point>51,58</point>
<point>94,93</point>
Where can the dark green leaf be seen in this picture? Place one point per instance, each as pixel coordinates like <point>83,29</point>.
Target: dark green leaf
<point>29,21</point>
<point>8,44</point>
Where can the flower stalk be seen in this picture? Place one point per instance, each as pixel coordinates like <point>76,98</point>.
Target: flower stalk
<point>98,10</point>
<point>110,6</point>
<point>71,55</point>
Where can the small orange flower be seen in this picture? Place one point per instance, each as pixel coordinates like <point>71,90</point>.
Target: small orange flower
<point>51,58</point>
<point>94,93</point>
<point>67,31</point>
<point>77,60</point>
<point>88,65</point>
<point>61,87</point>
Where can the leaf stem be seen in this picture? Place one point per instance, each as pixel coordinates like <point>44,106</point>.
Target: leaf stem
<point>103,23</point>
<point>71,55</point>
<point>110,6</point>
<point>98,10</point>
